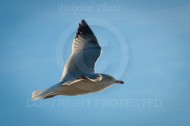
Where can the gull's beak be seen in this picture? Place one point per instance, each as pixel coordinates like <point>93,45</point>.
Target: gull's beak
<point>119,82</point>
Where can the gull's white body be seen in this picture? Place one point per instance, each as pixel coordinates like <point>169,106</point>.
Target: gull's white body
<point>75,87</point>
<point>79,76</point>
<point>84,86</point>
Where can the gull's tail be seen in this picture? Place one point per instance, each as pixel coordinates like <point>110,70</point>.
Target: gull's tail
<point>42,94</point>
<point>48,93</point>
<point>37,95</point>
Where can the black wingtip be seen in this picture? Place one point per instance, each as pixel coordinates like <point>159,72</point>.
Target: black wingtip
<point>83,22</point>
<point>83,29</point>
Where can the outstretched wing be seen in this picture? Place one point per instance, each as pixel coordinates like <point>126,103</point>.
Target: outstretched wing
<point>85,52</point>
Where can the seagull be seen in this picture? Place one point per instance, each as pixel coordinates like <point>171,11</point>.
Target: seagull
<point>79,76</point>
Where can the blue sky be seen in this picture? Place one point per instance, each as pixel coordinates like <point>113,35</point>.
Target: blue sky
<point>145,44</point>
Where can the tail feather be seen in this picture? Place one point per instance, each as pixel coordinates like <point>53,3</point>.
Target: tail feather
<point>36,95</point>
<point>47,93</point>
<point>43,94</point>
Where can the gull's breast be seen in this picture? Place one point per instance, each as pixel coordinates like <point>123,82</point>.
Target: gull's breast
<point>83,87</point>
<point>87,85</point>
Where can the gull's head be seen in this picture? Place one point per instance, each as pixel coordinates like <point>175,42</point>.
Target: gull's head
<point>111,80</point>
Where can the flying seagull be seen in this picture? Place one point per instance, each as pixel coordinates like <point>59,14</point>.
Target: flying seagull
<point>79,76</point>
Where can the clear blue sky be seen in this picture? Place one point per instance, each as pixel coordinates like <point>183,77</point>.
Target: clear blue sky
<point>149,39</point>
